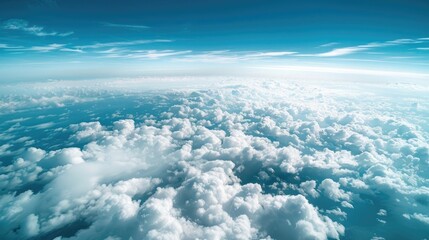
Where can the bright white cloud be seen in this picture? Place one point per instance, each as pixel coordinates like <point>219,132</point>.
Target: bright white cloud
<point>241,160</point>
<point>332,190</point>
<point>341,52</point>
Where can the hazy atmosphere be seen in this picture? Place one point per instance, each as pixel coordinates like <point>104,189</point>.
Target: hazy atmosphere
<point>214,119</point>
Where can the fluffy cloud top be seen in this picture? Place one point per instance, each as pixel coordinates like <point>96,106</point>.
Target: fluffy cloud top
<point>273,160</point>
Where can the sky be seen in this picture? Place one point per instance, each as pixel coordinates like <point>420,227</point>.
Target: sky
<point>214,119</point>
<point>81,39</point>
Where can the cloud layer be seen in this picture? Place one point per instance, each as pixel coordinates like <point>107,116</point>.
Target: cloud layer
<point>236,160</point>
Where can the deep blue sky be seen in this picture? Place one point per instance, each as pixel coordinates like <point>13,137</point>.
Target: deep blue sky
<point>48,35</point>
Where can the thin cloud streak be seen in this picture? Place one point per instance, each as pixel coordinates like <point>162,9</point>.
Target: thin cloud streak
<point>7,46</point>
<point>130,26</point>
<point>329,44</point>
<point>360,48</point>
<point>24,26</point>
<point>125,43</point>
<point>227,56</point>
<point>44,49</point>
<point>72,50</point>
<point>270,54</point>
<point>47,48</point>
<point>338,52</point>
<point>141,54</point>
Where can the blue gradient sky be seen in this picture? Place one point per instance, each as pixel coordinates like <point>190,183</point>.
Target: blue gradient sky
<point>78,39</point>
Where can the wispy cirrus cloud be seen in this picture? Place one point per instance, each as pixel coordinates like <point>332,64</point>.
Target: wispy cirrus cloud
<point>47,48</point>
<point>134,49</point>
<point>222,56</point>
<point>364,47</point>
<point>341,52</point>
<point>124,43</point>
<point>72,50</point>
<point>227,56</point>
<point>269,54</point>
<point>7,46</point>
<point>129,26</point>
<point>114,48</point>
<point>44,48</point>
<point>329,44</point>
<point>155,54</point>
<point>140,54</point>
<point>24,26</point>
